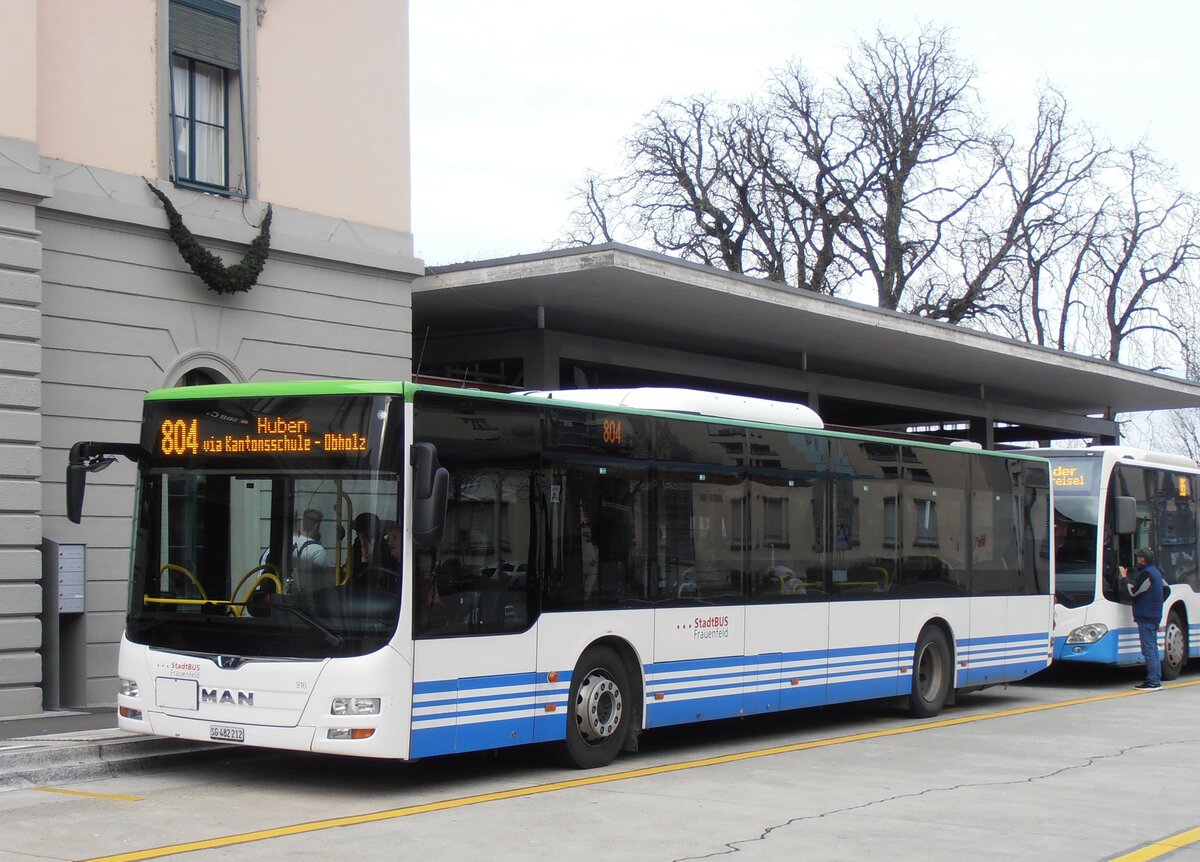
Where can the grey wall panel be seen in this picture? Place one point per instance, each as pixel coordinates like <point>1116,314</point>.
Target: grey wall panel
<point>20,667</point>
<point>20,462</point>
<point>62,433</point>
<point>21,700</point>
<point>22,426</point>
<point>20,600</point>
<point>20,288</point>
<point>20,495</point>
<point>112,402</point>
<point>101,497</point>
<point>20,357</point>
<point>20,391</point>
<point>120,314</point>
<point>21,634</point>
<point>17,530</point>
<point>102,690</point>
<point>106,596</point>
<point>15,565</point>
<point>104,630</point>
<point>21,322</point>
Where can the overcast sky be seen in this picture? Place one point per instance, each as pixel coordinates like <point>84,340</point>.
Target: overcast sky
<point>512,102</point>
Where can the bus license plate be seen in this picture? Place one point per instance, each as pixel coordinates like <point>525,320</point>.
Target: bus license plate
<point>226,734</point>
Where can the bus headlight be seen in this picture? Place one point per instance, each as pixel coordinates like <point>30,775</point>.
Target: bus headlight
<point>1088,634</point>
<point>355,706</point>
<point>129,687</point>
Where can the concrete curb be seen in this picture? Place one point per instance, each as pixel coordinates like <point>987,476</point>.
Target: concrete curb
<point>37,761</point>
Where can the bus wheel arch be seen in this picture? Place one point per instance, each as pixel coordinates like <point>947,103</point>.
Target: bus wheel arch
<point>1175,642</point>
<point>932,670</point>
<point>603,705</point>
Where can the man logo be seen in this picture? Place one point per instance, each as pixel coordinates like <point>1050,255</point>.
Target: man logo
<point>229,698</point>
<point>229,662</point>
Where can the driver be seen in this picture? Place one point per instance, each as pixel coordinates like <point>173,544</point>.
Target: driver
<point>368,549</point>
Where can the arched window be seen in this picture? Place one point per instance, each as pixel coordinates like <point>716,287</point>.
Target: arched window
<point>201,377</point>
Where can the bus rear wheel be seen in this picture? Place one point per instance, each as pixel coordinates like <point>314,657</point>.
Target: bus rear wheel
<point>599,709</point>
<point>1175,646</point>
<point>932,673</point>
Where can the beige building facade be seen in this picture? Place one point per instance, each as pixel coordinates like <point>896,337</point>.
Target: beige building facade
<point>226,106</point>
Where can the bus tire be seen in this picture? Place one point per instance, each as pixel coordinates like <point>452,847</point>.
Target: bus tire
<point>1175,646</point>
<point>599,712</point>
<point>932,673</point>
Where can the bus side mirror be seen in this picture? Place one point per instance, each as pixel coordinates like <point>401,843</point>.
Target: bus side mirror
<point>76,480</point>
<point>1124,516</point>
<point>88,457</point>
<point>431,487</point>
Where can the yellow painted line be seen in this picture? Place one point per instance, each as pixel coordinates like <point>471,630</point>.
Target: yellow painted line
<point>1161,847</point>
<point>118,796</point>
<point>593,780</point>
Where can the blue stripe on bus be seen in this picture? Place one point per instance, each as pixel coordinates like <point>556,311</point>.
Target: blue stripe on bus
<point>470,715</point>
<point>514,680</point>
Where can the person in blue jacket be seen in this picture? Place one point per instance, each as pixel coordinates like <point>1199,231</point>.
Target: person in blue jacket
<point>1146,590</point>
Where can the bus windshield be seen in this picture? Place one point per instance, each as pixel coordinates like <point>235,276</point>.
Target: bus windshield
<point>274,544</point>
<point>1076,518</point>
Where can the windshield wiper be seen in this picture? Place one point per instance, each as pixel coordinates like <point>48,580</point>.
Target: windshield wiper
<point>331,637</point>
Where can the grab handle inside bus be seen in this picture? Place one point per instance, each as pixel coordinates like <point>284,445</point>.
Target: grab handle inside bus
<point>430,484</point>
<point>1124,516</point>
<point>90,457</point>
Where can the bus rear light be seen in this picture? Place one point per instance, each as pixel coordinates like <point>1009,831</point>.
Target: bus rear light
<point>1088,634</point>
<point>133,714</point>
<point>350,732</point>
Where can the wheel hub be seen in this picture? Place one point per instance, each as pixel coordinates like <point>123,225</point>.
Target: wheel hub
<point>929,672</point>
<point>598,707</point>
<point>1173,644</point>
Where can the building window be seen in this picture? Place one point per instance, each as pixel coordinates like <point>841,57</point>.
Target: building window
<point>926,533</point>
<point>201,377</point>
<point>775,522</point>
<point>207,116</point>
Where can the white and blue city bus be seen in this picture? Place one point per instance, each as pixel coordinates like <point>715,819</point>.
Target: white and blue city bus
<point>568,568</point>
<point>1110,501</point>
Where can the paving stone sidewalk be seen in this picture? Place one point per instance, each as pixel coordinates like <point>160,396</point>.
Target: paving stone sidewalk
<point>78,745</point>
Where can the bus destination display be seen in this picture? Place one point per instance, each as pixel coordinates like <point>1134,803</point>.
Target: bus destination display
<point>259,436</point>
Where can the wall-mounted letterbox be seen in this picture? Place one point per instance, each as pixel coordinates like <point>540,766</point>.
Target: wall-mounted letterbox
<point>72,576</point>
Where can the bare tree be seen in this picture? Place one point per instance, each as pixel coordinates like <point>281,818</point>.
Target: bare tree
<point>1030,264</point>
<point>923,150</point>
<point>813,187</point>
<point>889,174</point>
<point>812,170</point>
<point>599,216</point>
<point>1145,248</point>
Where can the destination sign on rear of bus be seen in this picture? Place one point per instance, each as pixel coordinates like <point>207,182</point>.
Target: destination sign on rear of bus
<point>265,428</point>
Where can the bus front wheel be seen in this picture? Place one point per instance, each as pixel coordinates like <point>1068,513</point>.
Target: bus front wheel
<point>932,673</point>
<point>1175,646</point>
<point>599,710</point>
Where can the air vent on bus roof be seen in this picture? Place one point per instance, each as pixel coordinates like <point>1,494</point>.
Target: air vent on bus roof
<point>715,404</point>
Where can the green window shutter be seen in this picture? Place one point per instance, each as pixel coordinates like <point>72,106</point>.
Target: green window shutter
<point>206,30</point>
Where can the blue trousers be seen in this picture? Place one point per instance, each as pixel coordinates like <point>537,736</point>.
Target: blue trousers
<point>1148,634</point>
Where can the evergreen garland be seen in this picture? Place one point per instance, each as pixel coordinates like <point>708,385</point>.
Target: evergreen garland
<point>233,279</point>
